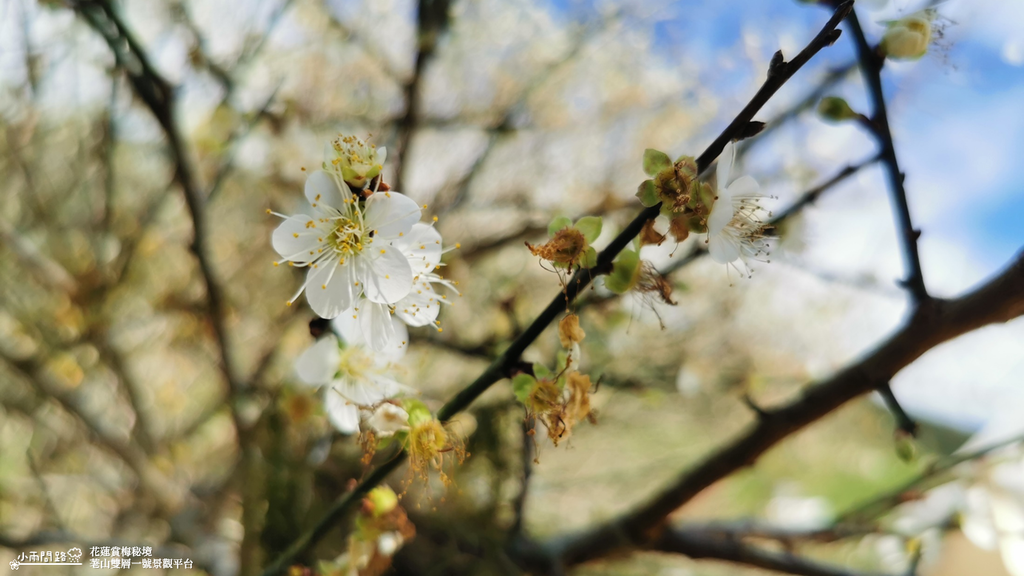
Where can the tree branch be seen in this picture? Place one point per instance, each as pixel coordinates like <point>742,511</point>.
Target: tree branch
<point>698,545</point>
<point>998,300</point>
<point>778,74</point>
<point>871,62</point>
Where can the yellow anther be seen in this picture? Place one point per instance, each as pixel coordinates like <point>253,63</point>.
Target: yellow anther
<point>296,234</point>
<point>435,218</point>
<point>458,245</point>
<point>381,250</point>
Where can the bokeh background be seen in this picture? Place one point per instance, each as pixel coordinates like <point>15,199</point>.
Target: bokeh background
<point>115,422</point>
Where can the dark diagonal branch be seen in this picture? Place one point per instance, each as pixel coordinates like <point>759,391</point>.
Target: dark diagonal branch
<point>998,300</point>
<point>871,62</point>
<point>779,72</point>
<point>701,545</point>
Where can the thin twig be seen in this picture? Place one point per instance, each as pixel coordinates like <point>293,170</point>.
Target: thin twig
<point>904,422</point>
<point>699,545</point>
<point>871,62</point>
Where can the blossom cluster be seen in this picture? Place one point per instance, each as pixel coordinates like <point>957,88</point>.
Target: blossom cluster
<point>372,269</point>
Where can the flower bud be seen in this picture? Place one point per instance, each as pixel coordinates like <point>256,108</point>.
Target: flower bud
<point>382,500</point>
<point>388,419</point>
<point>357,161</point>
<point>908,38</point>
<point>835,109</point>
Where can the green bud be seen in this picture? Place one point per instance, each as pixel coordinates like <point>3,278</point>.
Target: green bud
<point>417,410</point>
<point>384,500</point>
<point>906,448</point>
<point>835,109</point>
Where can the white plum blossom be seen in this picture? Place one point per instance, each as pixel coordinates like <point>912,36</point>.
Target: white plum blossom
<point>384,325</point>
<point>346,244</point>
<point>735,230</point>
<point>353,378</point>
<point>423,248</point>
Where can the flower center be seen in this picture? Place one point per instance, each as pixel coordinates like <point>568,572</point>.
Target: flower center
<point>354,364</point>
<point>347,237</point>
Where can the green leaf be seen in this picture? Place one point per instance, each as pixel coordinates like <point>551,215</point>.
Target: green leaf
<point>655,161</point>
<point>589,258</point>
<point>541,371</point>
<point>647,194</point>
<point>522,386</point>
<point>623,275</point>
<point>590,226</point>
<point>558,224</point>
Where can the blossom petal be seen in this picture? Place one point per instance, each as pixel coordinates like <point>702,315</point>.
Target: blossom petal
<point>725,162</point>
<point>1011,547</point>
<point>329,294</point>
<point>318,364</point>
<point>422,246</point>
<point>296,239</point>
<point>386,277</point>
<point>721,212</point>
<point>377,327</point>
<point>366,391</point>
<point>420,307</point>
<point>343,414</point>
<point>743,187</point>
<point>723,248</point>
<point>347,324</point>
<point>322,190</point>
<point>389,214</point>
